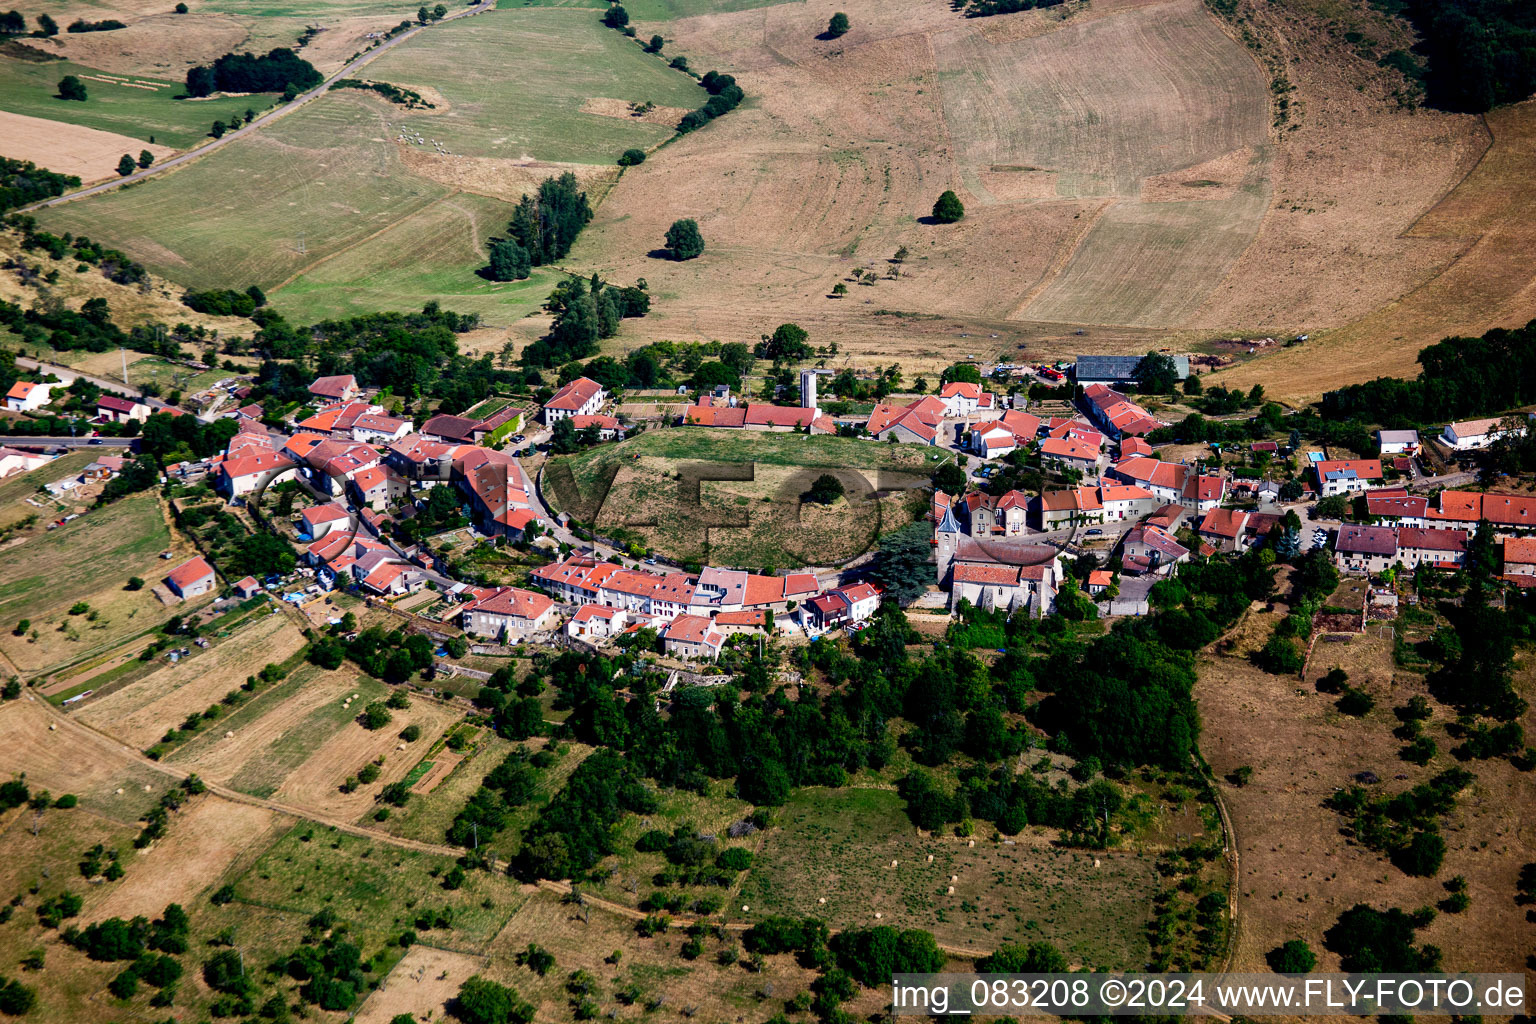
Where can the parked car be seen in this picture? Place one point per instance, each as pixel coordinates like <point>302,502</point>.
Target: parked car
<point>1095,532</point>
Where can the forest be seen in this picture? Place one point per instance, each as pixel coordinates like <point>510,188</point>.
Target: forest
<point>23,183</point>
<point>1481,53</point>
<point>1461,378</point>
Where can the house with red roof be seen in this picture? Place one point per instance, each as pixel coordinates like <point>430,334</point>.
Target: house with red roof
<point>608,427</point>
<point>1440,548</point>
<point>918,423</point>
<point>509,614</point>
<point>113,409</point>
<point>1147,548</point>
<point>1068,507</point>
<point>318,520</point>
<point>192,578</point>
<point>340,388</point>
<point>1117,414</point>
<point>242,474</point>
<point>746,621</point>
<point>1071,453</point>
<point>1223,528</point>
<point>498,491</point>
<point>960,398</point>
<point>581,397</point>
<point>596,622</point>
<point>247,588</point>
<point>693,638</point>
<point>454,430</point>
<point>374,487</point>
<point>1520,556</point>
<point>760,416</point>
<point>25,396</point>
<point>1397,507</point>
<point>1346,476</point>
<point>1364,548</point>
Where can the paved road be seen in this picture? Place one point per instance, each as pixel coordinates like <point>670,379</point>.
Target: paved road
<point>68,376</point>
<point>265,119</point>
<point>21,441</point>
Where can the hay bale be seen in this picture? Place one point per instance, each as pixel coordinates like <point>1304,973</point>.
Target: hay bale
<point>951,890</point>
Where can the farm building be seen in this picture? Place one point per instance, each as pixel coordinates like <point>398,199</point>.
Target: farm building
<point>1471,434</point>
<point>247,588</point>
<point>1114,370</point>
<point>581,397</point>
<point>191,579</point>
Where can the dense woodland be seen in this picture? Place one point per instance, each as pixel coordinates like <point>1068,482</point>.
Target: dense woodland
<point>1461,378</point>
<point>1481,53</point>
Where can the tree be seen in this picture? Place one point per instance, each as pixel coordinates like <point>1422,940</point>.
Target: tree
<point>838,25</point>
<point>949,478</point>
<point>684,240</point>
<point>949,208</point>
<point>655,45</point>
<point>509,260</point>
<point>181,8</point>
<point>376,716</point>
<point>562,438</point>
<point>788,343</point>
<point>632,157</point>
<point>218,130</point>
<point>135,583</point>
<point>47,26</point>
<point>481,1001</point>
<point>962,373</point>
<point>1293,957</point>
<point>902,563</point>
<point>126,166</point>
<point>146,158</point>
<point>825,490</point>
<point>616,16</point>
<point>71,88</point>
<point>1157,374</point>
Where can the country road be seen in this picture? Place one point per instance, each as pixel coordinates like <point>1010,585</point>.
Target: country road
<point>272,115</point>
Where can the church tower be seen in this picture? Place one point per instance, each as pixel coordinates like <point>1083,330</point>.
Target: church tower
<point>946,538</point>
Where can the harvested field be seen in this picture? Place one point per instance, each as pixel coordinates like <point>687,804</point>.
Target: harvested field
<point>429,814</point>
<point>1485,228</point>
<point>68,148</point>
<point>161,46</point>
<point>1297,871</point>
<point>142,712</point>
<point>316,783</point>
<point>203,841</point>
<point>278,732</point>
<point>505,178</point>
<point>422,985</point>
<point>75,761</point>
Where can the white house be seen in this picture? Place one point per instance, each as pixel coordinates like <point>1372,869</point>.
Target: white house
<point>13,461</point>
<point>596,622</point>
<point>1398,442</point>
<point>121,410</point>
<point>1346,476</point>
<point>192,578</point>
<point>1470,434</point>
<point>960,398</point>
<point>25,396</point>
<point>581,397</point>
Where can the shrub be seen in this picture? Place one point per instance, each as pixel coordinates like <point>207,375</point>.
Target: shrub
<point>1293,957</point>
<point>948,209</point>
<point>631,157</point>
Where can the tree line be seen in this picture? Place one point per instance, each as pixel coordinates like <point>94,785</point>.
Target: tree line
<point>22,183</point>
<point>1481,53</point>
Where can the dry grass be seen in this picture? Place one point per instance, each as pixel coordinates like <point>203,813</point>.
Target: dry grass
<point>203,841</point>
<point>70,761</point>
<point>1297,872</point>
<point>316,784</point>
<point>69,148</point>
<point>422,984</point>
<point>163,45</point>
<point>140,713</point>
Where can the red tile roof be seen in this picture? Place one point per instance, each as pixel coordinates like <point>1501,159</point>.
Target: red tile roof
<point>1068,448</point>
<point>1431,540</point>
<point>574,395</point>
<point>759,415</point>
<point>189,572</point>
<point>513,601</point>
<point>333,387</point>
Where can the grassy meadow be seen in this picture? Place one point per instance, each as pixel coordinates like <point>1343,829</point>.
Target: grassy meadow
<point>141,113</point>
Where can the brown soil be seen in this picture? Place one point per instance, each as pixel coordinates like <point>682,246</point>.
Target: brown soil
<point>316,784</point>
<point>1214,179</point>
<point>141,713</point>
<point>443,764</point>
<point>201,843</point>
<point>68,148</point>
<point>76,761</point>
<point>164,46</point>
<point>606,107</point>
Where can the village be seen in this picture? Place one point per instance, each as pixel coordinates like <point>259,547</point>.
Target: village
<point>1112,502</point>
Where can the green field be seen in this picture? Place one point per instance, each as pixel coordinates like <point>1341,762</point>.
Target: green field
<point>839,845</point>
<point>29,88</point>
<point>432,255</point>
<point>89,559</point>
<point>516,81</point>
